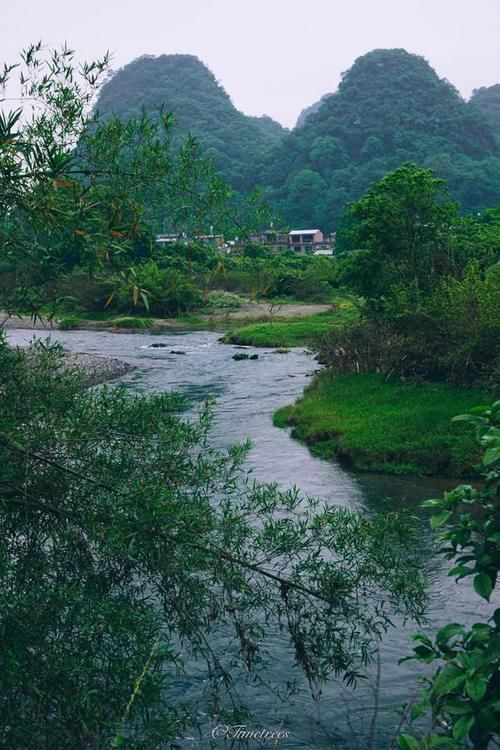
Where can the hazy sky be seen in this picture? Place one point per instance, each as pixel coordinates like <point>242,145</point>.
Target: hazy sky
<point>272,56</point>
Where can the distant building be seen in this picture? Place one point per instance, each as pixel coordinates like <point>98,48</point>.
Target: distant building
<point>300,240</point>
<point>216,240</point>
<point>305,240</point>
<point>167,239</point>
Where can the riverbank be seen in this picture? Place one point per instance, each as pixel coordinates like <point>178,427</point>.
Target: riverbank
<point>97,369</point>
<point>303,331</point>
<point>395,427</point>
<point>248,314</point>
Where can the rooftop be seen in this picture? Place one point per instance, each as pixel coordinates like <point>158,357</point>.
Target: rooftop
<point>304,231</point>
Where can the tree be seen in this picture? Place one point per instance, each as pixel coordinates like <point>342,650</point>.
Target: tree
<point>306,192</point>
<point>401,233</point>
<point>77,190</point>
<point>129,546</point>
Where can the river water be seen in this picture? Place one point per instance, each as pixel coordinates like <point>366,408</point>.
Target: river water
<point>247,393</point>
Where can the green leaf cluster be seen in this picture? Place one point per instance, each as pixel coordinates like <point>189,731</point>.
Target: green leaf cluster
<point>463,694</point>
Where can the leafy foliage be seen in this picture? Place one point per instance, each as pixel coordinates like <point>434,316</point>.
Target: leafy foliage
<point>487,99</point>
<point>401,230</point>
<point>130,547</point>
<point>430,281</point>
<point>390,108</point>
<point>81,192</point>
<point>463,694</point>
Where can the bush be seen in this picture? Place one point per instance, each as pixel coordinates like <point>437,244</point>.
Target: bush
<point>453,333</point>
<point>219,299</point>
<point>167,291</point>
<point>78,291</point>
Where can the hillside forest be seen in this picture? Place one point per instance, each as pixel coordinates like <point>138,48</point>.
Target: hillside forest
<point>390,108</point>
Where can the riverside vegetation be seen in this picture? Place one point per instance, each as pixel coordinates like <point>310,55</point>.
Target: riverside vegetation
<point>128,543</point>
<point>429,332</point>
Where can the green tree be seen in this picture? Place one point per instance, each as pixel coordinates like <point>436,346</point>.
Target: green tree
<point>306,192</point>
<point>401,233</point>
<point>129,547</point>
<point>79,191</point>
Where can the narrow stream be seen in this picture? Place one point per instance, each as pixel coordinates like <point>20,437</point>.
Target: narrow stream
<point>247,393</point>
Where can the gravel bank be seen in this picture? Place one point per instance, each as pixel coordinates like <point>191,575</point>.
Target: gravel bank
<point>97,369</point>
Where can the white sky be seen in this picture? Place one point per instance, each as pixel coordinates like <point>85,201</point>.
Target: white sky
<point>272,56</point>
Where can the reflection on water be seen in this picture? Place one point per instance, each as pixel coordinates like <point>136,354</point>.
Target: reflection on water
<point>248,392</point>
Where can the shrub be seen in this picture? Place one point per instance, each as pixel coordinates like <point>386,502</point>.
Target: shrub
<point>78,291</point>
<point>219,299</point>
<point>462,696</point>
<point>453,333</point>
<point>163,291</point>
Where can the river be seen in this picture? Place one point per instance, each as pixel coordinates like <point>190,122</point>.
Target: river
<point>247,393</point>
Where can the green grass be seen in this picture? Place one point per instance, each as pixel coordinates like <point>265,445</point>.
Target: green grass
<point>282,333</point>
<point>131,322</point>
<point>386,426</point>
<point>66,321</point>
<point>285,332</point>
<point>69,321</point>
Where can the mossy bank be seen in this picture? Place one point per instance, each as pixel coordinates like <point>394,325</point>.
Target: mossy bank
<point>389,426</point>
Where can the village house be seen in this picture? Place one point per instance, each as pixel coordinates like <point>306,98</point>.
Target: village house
<point>305,240</point>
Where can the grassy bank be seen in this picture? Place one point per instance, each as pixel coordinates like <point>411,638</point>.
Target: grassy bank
<point>108,321</point>
<point>301,332</point>
<point>386,426</point>
<point>294,331</point>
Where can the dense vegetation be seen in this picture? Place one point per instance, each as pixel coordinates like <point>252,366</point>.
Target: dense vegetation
<point>487,99</point>
<point>390,107</point>
<point>429,280</point>
<point>460,701</point>
<point>128,545</point>
<point>167,282</point>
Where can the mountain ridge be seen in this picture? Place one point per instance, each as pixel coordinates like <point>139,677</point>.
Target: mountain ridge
<point>390,107</point>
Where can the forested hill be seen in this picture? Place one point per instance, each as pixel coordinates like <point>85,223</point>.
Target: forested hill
<point>487,99</point>
<point>200,105</point>
<point>310,110</point>
<point>390,107</point>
